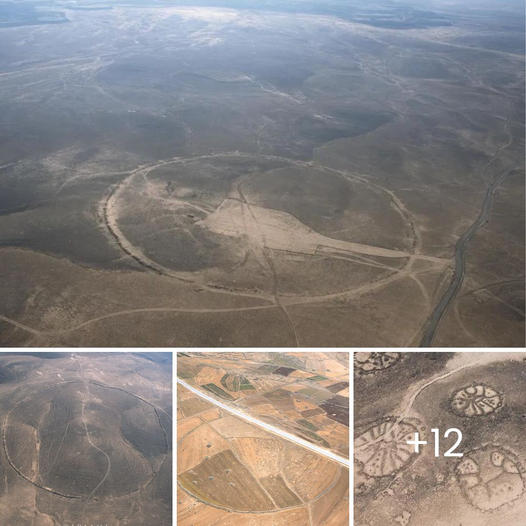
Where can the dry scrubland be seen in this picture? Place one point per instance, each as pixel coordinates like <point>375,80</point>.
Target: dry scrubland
<point>85,437</point>
<point>232,472</point>
<point>203,176</point>
<point>483,395</point>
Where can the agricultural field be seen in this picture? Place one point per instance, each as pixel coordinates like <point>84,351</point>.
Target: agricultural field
<point>85,437</point>
<point>306,394</point>
<point>271,173</point>
<point>229,467</point>
<point>482,396</point>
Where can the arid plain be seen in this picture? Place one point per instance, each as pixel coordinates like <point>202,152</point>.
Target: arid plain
<point>232,471</point>
<point>323,174</point>
<point>86,439</point>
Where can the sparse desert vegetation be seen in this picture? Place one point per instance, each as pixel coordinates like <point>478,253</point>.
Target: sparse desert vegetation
<point>270,173</point>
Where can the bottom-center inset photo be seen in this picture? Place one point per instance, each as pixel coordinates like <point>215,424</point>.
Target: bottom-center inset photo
<point>263,436</point>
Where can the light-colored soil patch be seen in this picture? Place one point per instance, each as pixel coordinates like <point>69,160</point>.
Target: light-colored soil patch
<point>232,427</point>
<point>193,405</point>
<point>197,445</point>
<point>281,231</point>
<point>299,470</point>
<point>186,425</point>
<point>335,499</point>
<point>262,455</point>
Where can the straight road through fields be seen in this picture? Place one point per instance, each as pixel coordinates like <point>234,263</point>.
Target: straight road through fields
<point>267,427</point>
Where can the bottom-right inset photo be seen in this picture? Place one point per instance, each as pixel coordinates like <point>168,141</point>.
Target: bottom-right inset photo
<point>440,438</point>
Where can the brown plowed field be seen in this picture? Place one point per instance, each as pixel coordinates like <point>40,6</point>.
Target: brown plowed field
<point>192,513</point>
<point>222,480</point>
<point>279,491</point>
<point>232,472</point>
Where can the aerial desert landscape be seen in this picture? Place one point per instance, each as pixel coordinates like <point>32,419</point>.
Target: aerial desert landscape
<point>262,439</point>
<point>467,410</point>
<point>204,173</point>
<point>86,439</point>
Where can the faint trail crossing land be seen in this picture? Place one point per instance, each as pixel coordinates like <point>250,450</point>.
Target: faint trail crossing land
<point>267,427</point>
<point>88,435</point>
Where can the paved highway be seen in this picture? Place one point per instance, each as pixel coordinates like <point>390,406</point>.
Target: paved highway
<point>461,246</point>
<point>267,427</point>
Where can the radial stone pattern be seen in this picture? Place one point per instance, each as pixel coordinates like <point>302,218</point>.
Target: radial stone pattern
<point>383,448</point>
<point>371,362</point>
<point>476,400</point>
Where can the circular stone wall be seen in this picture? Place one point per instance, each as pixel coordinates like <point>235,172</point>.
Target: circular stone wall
<point>490,477</point>
<point>382,449</point>
<point>476,400</point>
<point>249,222</point>
<point>372,362</point>
<point>74,442</point>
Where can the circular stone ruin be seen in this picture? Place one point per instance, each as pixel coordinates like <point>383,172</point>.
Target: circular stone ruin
<point>382,449</point>
<point>372,362</point>
<point>79,443</point>
<point>218,219</point>
<point>490,477</point>
<point>476,400</point>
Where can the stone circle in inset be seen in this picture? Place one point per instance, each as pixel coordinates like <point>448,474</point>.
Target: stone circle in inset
<point>383,450</point>
<point>476,400</point>
<point>371,362</point>
<point>490,477</point>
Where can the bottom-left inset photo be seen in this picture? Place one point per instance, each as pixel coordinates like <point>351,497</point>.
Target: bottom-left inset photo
<point>86,438</point>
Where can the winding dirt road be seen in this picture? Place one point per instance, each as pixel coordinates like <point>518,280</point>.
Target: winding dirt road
<point>88,436</point>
